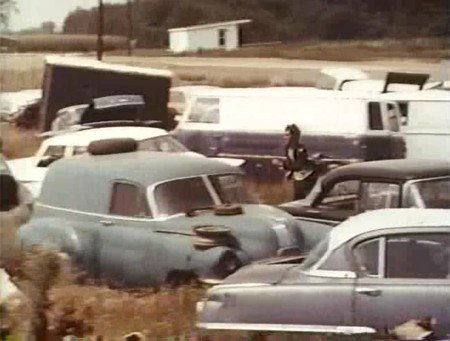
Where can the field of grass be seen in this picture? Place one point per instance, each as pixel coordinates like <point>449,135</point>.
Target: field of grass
<point>66,43</point>
<point>25,71</point>
<point>433,49</point>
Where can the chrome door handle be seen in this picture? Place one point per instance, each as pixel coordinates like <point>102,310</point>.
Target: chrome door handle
<point>106,222</point>
<point>369,291</point>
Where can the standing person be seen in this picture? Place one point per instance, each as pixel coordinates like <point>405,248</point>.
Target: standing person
<point>297,164</point>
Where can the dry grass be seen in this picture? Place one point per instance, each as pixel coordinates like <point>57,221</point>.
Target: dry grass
<point>17,142</point>
<point>16,80</point>
<point>66,43</point>
<point>353,50</point>
<point>169,312</point>
<point>229,77</point>
<point>348,50</point>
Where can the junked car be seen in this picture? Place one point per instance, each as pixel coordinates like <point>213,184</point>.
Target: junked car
<point>359,187</point>
<point>31,171</point>
<point>373,272</point>
<point>425,122</point>
<point>250,124</point>
<point>109,108</point>
<point>142,218</point>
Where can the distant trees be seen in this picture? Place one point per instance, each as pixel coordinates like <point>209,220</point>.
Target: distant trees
<point>286,20</point>
<point>6,7</point>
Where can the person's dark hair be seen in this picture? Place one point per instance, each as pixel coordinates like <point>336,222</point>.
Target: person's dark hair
<point>294,140</point>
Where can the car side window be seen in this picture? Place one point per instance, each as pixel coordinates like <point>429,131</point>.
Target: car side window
<point>55,151</point>
<point>378,195</point>
<point>205,110</point>
<point>128,200</point>
<point>418,256</point>
<point>343,196</point>
<point>421,255</point>
<point>375,116</point>
<point>367,255</point>
<point>51,154</point>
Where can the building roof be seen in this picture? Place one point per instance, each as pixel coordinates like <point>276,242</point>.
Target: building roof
<point>92,64</point>
<point>212,25</point>
<point>82,138</point>
<point>387,219</point>
<point>395,170</point>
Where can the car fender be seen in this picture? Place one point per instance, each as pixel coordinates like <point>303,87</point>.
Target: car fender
<point>310,232</point>
<point>207,263</point>
<point>52,234</point>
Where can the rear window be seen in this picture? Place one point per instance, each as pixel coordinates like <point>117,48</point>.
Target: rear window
<point>165,144</point>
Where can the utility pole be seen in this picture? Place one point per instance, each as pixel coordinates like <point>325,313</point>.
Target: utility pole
<point>130,26</point>
<point>100,25</point>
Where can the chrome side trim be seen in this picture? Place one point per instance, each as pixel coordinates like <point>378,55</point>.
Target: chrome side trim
<point>330,273</point>
<point>299,328</point>
<point>240,285</point>
<point>109,216</point>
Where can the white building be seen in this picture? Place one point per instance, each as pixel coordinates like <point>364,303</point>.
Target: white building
<point>223,35</point>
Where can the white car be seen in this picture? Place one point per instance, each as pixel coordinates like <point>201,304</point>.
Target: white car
<point>31,171</point>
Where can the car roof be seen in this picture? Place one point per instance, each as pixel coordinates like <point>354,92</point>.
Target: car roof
<point>149,168</point>
<point>387,219</point>
<point>286,92</point>
<point>423,95</point>
<point>396,170</point>
<point>94,174</point>
<point>84,137</point>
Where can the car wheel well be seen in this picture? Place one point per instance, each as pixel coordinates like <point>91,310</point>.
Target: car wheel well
<point>176,278</point>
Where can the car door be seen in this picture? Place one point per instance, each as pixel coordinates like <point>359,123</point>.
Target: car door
<point>318,302</point>
<point>122,245</point>
<point>404,276</point>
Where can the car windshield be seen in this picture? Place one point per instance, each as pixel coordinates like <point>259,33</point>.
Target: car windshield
<point>165,144</point>
<point>433,193</point>
<point>315,255</point>
<point>183,195</point>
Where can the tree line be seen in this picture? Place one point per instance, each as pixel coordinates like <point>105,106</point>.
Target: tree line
<point>285,20</point>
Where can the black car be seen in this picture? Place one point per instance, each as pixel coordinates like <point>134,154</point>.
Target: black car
<point>359,187</point>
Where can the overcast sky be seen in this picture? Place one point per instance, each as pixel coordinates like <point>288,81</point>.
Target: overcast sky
<point>32,13</point>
